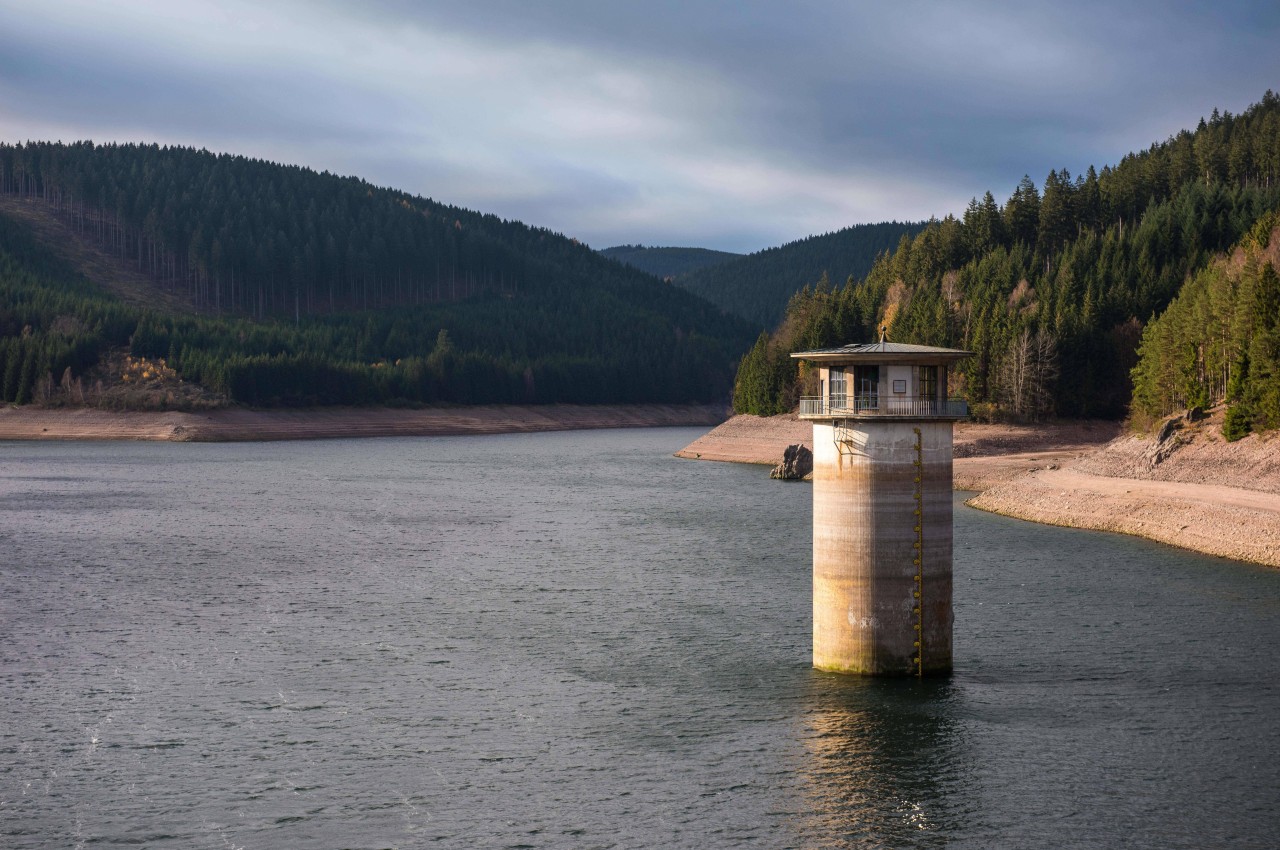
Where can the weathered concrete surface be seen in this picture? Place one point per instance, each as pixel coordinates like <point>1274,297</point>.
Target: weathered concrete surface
<point>864,521</point>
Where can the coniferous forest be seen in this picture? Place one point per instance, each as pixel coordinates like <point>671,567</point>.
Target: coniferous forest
<point>1057,290</point>
<point>1219,340</point>
<point>304,288</point>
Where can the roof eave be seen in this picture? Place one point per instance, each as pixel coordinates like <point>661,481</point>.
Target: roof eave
<point>881,356</point>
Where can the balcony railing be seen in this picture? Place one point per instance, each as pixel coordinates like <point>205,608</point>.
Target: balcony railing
<point>908,406</point>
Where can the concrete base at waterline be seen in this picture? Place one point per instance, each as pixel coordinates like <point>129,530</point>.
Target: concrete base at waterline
<point>864,547</point>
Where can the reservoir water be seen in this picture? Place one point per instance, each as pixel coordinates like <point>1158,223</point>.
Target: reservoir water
<point>576,640</point>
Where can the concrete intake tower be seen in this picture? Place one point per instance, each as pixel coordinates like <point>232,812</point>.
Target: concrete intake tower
<point>882,428</point>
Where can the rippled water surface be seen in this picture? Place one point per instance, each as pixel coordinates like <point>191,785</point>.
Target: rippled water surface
<point>576,640</point>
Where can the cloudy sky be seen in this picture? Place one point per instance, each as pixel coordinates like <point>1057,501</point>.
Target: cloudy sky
<point>727,125</point>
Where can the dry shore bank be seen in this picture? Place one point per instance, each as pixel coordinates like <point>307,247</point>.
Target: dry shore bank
<point>29,423</point>
<point>984,454</point>
<point>1185,486</point>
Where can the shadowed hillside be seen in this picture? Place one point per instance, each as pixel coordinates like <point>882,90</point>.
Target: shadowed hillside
<point>277,285</point>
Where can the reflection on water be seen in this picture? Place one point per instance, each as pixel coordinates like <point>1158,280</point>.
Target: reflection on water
<point>881,759</point>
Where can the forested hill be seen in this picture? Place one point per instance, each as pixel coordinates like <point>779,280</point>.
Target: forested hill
<point>1052,288</point>
<point>1220,340</point>
<point>308,288</point>
<point>667,263</point>
<point>758,286</point>
<point>246,236</point>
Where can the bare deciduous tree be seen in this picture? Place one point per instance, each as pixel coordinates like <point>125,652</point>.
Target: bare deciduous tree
<point>1028,374</point>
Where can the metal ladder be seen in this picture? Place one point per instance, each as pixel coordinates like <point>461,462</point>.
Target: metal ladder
<point>843,436</point>
<point>918,546</point>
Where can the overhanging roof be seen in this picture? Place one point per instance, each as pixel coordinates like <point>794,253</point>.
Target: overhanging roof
<point>883,352</point>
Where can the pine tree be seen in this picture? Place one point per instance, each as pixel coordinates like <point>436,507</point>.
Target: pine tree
<point>1022,213</point>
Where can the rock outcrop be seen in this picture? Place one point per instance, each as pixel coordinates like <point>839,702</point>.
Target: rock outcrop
<point>1165,443</point>
<point>797,462</point>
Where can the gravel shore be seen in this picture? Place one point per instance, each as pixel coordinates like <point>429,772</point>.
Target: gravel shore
<point>1184,485</point>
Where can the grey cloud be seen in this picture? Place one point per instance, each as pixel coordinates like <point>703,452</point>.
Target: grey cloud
<point>109,90</point>
<point>939,100</point>
<point>939,89</point>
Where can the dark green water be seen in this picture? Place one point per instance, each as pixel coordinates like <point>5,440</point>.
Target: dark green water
<point>575,640</point>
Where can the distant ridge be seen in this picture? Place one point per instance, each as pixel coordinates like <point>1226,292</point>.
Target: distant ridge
<point>758,286</point>
<point>667,262</point>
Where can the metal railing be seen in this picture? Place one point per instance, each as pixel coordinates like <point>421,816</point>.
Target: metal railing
<point>953,408</point>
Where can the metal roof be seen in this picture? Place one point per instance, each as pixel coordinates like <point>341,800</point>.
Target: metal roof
<point>881,351</point>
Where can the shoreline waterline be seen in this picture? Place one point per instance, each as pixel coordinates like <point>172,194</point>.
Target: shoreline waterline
<point>1030,473</point>
<point>244,425</point>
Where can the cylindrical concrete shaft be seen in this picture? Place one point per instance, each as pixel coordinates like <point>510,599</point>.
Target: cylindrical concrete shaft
<point>864,552</point>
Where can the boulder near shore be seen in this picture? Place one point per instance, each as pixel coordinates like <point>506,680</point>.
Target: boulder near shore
<point>797,464</point>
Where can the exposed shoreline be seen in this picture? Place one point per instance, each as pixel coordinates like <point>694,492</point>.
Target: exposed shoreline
<point>1191,490</point>
<point>1230,522</point>
<point>230,425</point>
<point>985,455</point>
